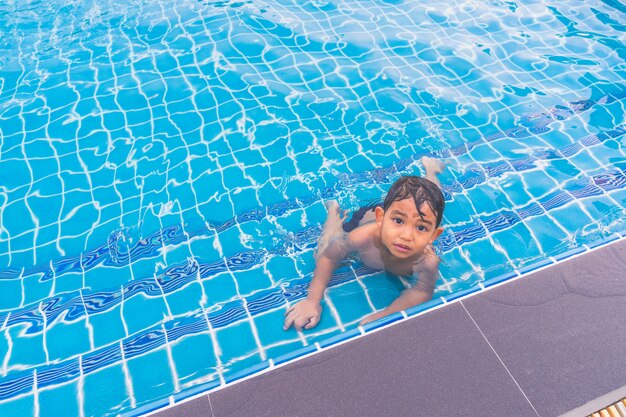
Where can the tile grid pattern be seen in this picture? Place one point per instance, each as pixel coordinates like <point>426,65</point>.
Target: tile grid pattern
<point>522,301</point>
<point>84,291</point>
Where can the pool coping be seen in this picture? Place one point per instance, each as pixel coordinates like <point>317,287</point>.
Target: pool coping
<point>597,403</point>
<point>371,328</point>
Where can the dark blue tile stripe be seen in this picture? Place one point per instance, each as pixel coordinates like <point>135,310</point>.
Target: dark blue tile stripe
<point>154,338</point>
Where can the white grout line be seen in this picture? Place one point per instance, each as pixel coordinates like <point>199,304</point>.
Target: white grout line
<point>500,359</point>
<point>405,318</point>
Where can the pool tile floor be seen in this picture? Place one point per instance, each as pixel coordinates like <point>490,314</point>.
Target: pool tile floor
<point>538,346</point>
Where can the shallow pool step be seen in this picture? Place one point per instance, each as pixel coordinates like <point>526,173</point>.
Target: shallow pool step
<point>615,410</point>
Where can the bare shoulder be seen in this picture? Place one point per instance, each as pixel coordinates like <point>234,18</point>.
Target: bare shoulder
<point>362,236</point>
<point>429,262</point>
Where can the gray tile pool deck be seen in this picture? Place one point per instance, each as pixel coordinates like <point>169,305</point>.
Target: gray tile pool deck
<point>541,345</point>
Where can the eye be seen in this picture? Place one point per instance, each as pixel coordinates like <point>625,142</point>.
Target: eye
<point>397,220</point>
<point>422,228</point>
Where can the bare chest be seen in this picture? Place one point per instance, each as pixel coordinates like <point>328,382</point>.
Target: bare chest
<point>373,259</point>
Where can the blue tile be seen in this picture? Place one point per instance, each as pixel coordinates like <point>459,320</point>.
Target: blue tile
<point>486,200</point>
<point>382,289</point>
<point>103,278</point>
<point>58,373</point>
<point>459,294</point>
<point>295,354</point>
<point>236,340</point>
<point>59,401</point>
<point>279,350</point>
<point>219,288</point>
<point>101,358</point>
<point>20,223</point>
<point>185,299</point>
<point>317,335</point>
<point>24,406</point>
<point>537,182</point>
<point>27,349</point>
<point>517,242</point>
<point>252,280</point>
<point>10,293</point>
<point>572,218</point>
<point>16,384</point>
<point>105,391</point>
<point>107,326</point>
<point>35,288</point>
<point>196,389</point>
<point>535,265</point>
<point>151,376</point>
<point>194,358</point>
<point>4,343</point>
<point>482,254</point>
<point>141,312</point>
<point>144,268</point>
<point>202,245</point>
<point>383,321</point>
<point>246,372</point>
<point>569,253</point>
<point>424,306</point>
<point>350,301</point>
<point>68,281</point>
<point>602,241</point>
<point>180,255</point>
<point>147,407</point>
<point>546,231</point>
<point>64,340</point>
<point>270,328</point>
<point>340,337</point>
<point>499,279</point>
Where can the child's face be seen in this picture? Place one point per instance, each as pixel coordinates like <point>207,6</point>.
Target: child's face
<point>403,231</point>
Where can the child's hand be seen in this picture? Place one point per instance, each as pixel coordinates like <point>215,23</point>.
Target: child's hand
<point>305,314</point>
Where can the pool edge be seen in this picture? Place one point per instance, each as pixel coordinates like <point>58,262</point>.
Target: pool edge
<point>402,317</point>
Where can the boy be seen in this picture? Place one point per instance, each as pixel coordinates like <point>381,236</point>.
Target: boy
<point>398,240</point>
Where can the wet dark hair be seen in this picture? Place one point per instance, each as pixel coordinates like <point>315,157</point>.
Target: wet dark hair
<point>421,191</point>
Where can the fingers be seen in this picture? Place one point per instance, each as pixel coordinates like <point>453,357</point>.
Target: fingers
<point>300,317</point>
<point>290,317</point>
<point>288,322</point>
<point>293,316</point>
<point>300,323</point>
<point>312,322</point>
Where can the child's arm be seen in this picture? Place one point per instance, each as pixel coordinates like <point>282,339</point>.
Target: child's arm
<point>306,313</point>
<point>409,298</point>
<point>421,292</point>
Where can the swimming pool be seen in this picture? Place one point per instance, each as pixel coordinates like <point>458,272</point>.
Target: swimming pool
<point>163,169</point>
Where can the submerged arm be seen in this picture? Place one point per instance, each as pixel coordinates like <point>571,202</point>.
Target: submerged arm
<point>417,294</point>
<point>409,298</point>
<point>324,269</point>
<point>306,313</point>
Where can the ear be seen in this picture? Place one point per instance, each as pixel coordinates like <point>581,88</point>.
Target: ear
<point>380,213</point>
<point>436,234</point>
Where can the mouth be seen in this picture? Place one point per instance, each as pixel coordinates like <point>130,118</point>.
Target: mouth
<point>401,248</point>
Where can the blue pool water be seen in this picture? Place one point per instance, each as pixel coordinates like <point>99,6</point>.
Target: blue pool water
<point>163,169</point>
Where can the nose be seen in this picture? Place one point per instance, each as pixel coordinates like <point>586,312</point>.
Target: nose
<point>405,233</point>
